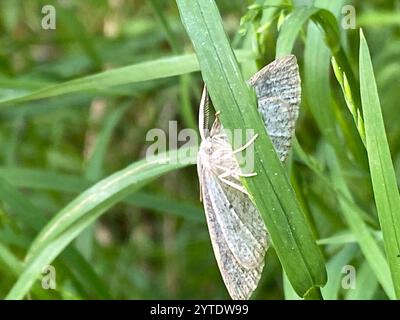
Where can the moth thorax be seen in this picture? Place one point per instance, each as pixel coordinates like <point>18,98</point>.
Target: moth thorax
<point>206,146</point>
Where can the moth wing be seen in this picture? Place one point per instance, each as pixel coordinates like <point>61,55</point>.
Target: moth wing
<point>280,124</point>
<point>244,228</point>
<point>278,89</point>
<point>240,281</point>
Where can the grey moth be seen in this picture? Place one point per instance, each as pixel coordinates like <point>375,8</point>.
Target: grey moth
<point>238,234</point>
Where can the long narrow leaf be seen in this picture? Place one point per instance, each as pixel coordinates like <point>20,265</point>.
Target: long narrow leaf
<point>88,206</point>
<point>369,246</point>
<point>381,167</point>
<point>42,180</point>
<point>144,71</point>
<point>271,191</point>
<point>33,219</point>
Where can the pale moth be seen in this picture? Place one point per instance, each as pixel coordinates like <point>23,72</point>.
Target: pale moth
<point>237,231</point>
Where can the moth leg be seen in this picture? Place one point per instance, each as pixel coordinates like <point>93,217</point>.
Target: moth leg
<point>236,186</point>
<point>248,143</point>
<point>235,175</point>
<point>245,175</point>
<point>238,174</point>
<point>220,135</point>
<point>227,172</point>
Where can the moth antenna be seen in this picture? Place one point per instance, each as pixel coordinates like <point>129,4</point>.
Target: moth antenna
<point>204,113</point>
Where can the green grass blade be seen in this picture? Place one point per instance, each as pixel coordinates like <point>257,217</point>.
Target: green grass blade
<point>316,83</point>
<point>144,71</point>
<point>288,290</point>
<point>295,21</point>
<point>271,191</point>
<point>43,180</point>
<point>338,239</point>
<point>76,28</point>
<point>290,29</point>
<point>348,96</point>
<point>368,244</point>
<point>319,48</point>
<point>312,165</point>
<point>334,266</point>
<point>33,219</point>
<point>186,110</point>
<point>94,167</point>
<point>381,167</point>
<point>88,206</point>
<point>354,217</point>
<point>169,33</point>
<point>164,204</point>
<point>51,181</point>
<point>366,284</point>
<point>9,263</point>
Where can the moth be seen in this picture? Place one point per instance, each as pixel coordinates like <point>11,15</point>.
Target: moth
<point>238,234</point>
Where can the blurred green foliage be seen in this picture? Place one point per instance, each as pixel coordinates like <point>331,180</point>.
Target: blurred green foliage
<point>154,244</point>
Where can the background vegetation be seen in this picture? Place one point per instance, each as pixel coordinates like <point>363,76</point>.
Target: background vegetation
<point>76,104</point>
